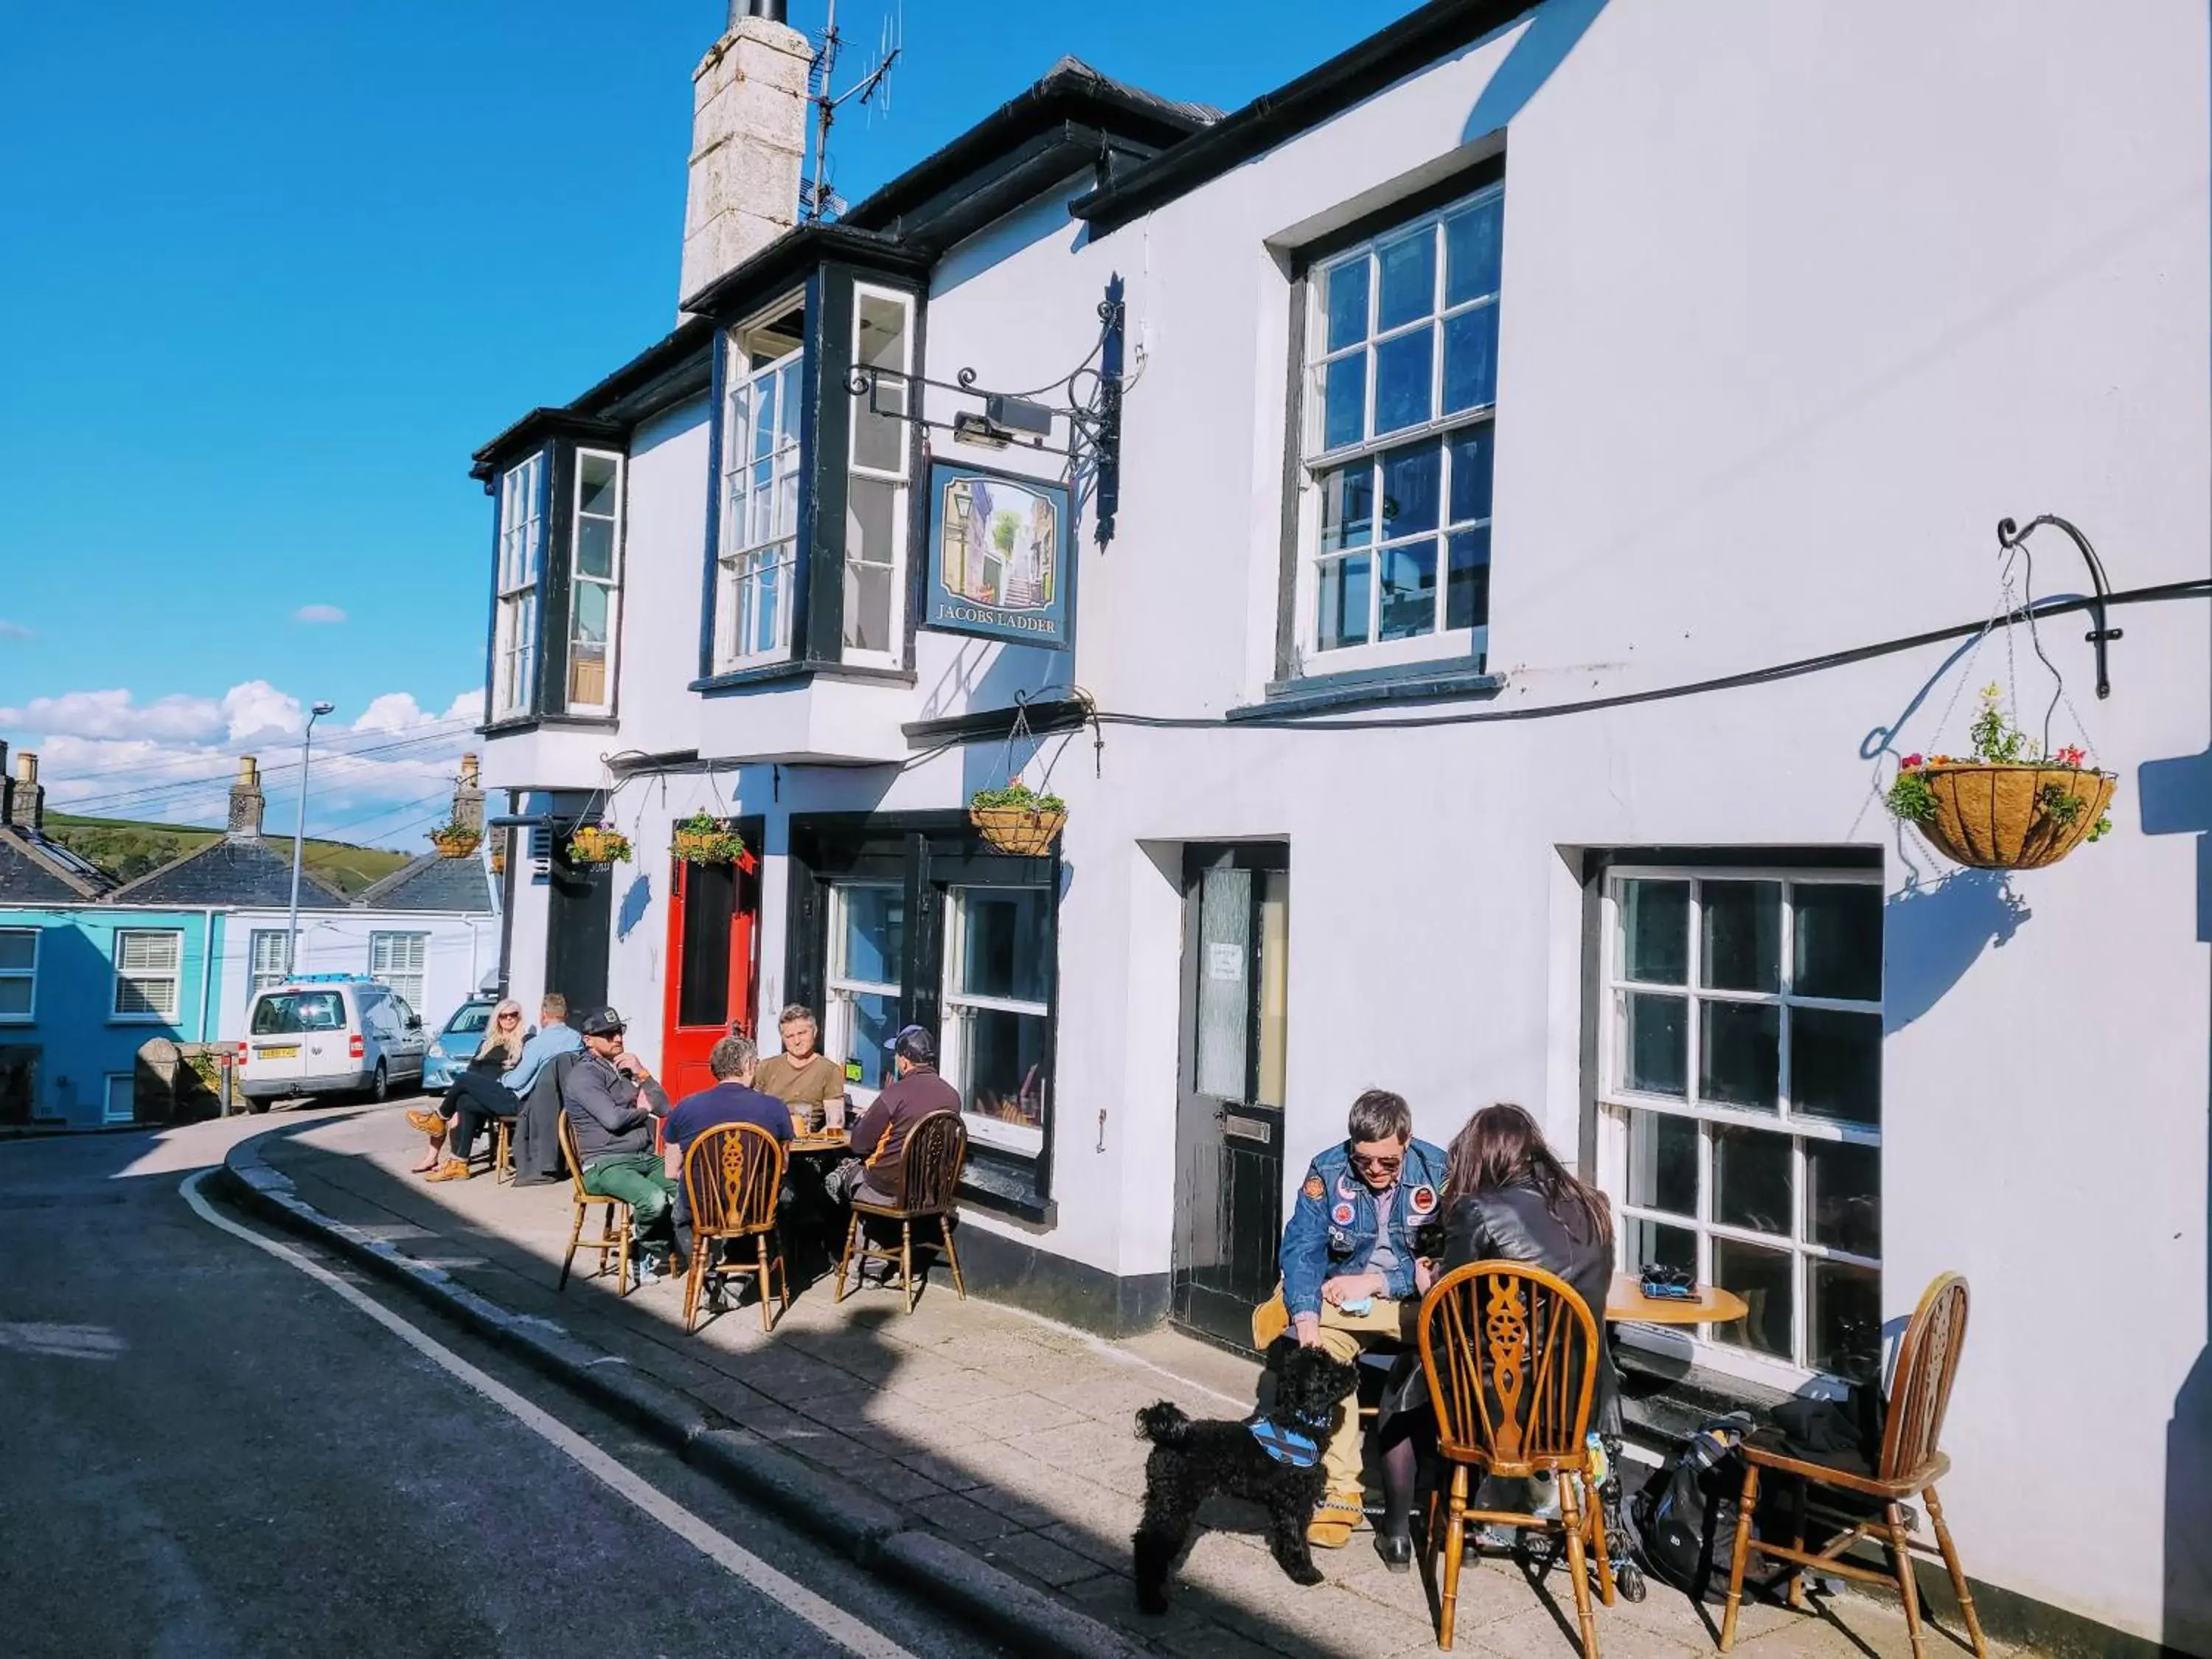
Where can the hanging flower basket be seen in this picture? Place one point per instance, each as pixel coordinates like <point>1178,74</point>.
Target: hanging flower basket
<point>700,839</point>
<point>1018,820</point>
<point>596,844</point>
<point>2006,807</point>
<point>456,840</point>
<point>1990,816</point>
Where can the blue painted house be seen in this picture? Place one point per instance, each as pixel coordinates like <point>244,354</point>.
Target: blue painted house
<point>84,982</point>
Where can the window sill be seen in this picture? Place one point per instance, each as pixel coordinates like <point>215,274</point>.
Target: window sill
<point>1371,688</point>
<point>142,1020</point>
<point>1004,1183</point>
<point>1665,1399</point>
<point>514,726</point>
<point>774,673</point>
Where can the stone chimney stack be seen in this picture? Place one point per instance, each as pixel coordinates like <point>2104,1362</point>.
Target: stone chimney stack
<point>468,798</point>
<point>26,804</point>
<point>246,800</point>
<point>748,142</point>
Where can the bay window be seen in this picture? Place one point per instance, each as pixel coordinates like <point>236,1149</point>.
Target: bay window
<point>1740,1101</point>
<point>756,559</point>
<point>595,584</point>
<point>522,553</point>
<point>1399,399</point>
<point>876,483</point>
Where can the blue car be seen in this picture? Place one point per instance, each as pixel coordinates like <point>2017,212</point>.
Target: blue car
<point>463,1036</point>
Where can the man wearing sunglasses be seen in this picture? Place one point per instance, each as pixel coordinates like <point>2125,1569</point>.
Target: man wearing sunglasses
<point>1349,1278</point>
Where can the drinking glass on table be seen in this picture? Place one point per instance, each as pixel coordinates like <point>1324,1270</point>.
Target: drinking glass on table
<point>833,1114</point>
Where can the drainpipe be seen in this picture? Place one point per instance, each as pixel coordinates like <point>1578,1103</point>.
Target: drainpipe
<point>207,968</point>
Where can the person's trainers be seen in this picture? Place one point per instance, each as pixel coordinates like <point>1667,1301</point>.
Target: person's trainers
<point>451,1169</point>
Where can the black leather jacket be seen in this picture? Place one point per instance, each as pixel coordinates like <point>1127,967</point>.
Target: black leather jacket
<point>1512,1225</point>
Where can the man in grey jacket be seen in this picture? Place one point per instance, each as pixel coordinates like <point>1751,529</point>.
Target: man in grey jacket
<point>612,1101</point>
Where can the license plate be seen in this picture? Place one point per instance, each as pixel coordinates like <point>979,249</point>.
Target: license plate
<point>289,1051</point>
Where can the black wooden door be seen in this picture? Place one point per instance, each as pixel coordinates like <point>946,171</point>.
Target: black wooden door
<point>579,919</point>
<point>1229,1118</point>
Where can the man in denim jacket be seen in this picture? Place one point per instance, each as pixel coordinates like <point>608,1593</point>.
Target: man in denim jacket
<point>1349,1275</point>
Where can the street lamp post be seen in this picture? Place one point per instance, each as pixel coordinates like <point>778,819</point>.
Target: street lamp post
<point>300,840</point>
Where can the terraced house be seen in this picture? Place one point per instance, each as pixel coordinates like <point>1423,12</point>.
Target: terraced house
<point>1471,536</point>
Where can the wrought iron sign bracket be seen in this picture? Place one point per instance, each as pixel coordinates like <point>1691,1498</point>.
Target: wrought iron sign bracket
<point>2011,536</point>
<point>1084,404</point>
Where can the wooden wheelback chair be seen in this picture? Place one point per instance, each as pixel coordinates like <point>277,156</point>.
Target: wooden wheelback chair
<point>732,1177</point>
<point>1908,1466</point>
<point>930,1165</point>
<point>1511,1353</point>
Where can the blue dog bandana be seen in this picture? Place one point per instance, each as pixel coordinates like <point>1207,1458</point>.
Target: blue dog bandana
<point>1300,1451</point>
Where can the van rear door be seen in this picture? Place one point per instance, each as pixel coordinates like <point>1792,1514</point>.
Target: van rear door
<point>292,1033</point>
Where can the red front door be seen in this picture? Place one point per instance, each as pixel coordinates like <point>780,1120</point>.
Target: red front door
<point>712,912</point>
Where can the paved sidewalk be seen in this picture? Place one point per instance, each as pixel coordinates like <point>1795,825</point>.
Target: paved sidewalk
<point>1001,1432</point>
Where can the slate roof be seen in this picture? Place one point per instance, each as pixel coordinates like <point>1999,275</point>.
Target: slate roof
<point>432,882</point>
<point>35,870</point>
<point>235,870</point>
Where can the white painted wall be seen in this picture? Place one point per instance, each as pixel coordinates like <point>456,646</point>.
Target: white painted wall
<point>1798,301</point>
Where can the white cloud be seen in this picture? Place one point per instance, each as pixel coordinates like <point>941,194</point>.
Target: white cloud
<point>174,759</point>
<point>15,631</point>
<point>319,613</point>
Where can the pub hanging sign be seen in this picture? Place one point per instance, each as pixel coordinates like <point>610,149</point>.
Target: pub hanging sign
<point>999,555</point>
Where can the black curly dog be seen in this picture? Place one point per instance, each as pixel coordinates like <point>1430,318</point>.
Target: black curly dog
<point>1190,1462</point>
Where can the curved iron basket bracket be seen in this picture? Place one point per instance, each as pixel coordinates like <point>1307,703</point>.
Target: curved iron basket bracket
<point>2010,536</point>
<point>1077,416</point>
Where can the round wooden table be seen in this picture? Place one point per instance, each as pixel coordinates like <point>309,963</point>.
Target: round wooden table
<point>1626,1302</point>
<point>1711,1305</point>
<point>831,1140</point>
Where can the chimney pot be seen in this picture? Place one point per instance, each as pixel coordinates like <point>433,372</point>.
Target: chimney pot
<point>469,797</point>
<point>26,767</point>
<point>246,801</point>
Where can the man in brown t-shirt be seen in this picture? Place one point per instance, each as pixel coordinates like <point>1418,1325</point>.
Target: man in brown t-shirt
<point>875,1173</point>
<point>802,1079</point>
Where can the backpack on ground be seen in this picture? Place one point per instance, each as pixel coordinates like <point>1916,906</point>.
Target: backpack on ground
<point>1685,1513</point>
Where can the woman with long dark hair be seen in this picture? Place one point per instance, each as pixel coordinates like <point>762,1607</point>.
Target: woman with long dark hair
<point>1507,1197</point>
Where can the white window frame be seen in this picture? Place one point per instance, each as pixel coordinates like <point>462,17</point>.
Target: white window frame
<point>992,1131</point>
<point>1440,642</point>
<point>1615,1101</point>
<point>747,563</point>
<point>895,389</point>
<point>840,988</point>
<point>30,1011</point>
<point>173,976</point>
<point>517,603</point>
<point>405,983</point>
<point>577,581</point>
<point>258,977</point>
<point>107,1112</point>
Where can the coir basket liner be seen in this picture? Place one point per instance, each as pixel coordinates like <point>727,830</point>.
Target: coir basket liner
<point>1992,816</point>
<point>1016,830</point>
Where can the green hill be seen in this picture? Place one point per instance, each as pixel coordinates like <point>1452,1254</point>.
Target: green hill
<point>127,849</point>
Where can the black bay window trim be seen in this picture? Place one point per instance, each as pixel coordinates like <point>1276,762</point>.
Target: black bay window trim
<point>926,854</point>
<point>558,443</point>
<point>817,600</point>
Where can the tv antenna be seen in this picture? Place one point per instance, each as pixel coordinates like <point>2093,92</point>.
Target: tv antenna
<point>819,203</point>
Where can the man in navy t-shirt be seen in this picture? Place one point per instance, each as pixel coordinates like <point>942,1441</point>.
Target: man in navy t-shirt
<point>731,1100</point>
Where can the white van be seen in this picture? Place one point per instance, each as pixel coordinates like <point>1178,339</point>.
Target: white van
<point>328,1034</point>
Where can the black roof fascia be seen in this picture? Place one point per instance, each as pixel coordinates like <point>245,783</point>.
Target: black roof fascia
<point>533,430</point>
<point>1419,39</point>
<point>1071,95</point>
<point>786,261</point>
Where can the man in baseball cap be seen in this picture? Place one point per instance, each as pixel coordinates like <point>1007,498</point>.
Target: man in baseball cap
<point>873,1173</point>
<point>613,1100</point>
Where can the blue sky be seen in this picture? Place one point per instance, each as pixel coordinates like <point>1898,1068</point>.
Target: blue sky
<point>275,270</point>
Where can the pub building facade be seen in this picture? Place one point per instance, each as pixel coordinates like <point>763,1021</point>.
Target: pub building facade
<point>1464,571</point>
